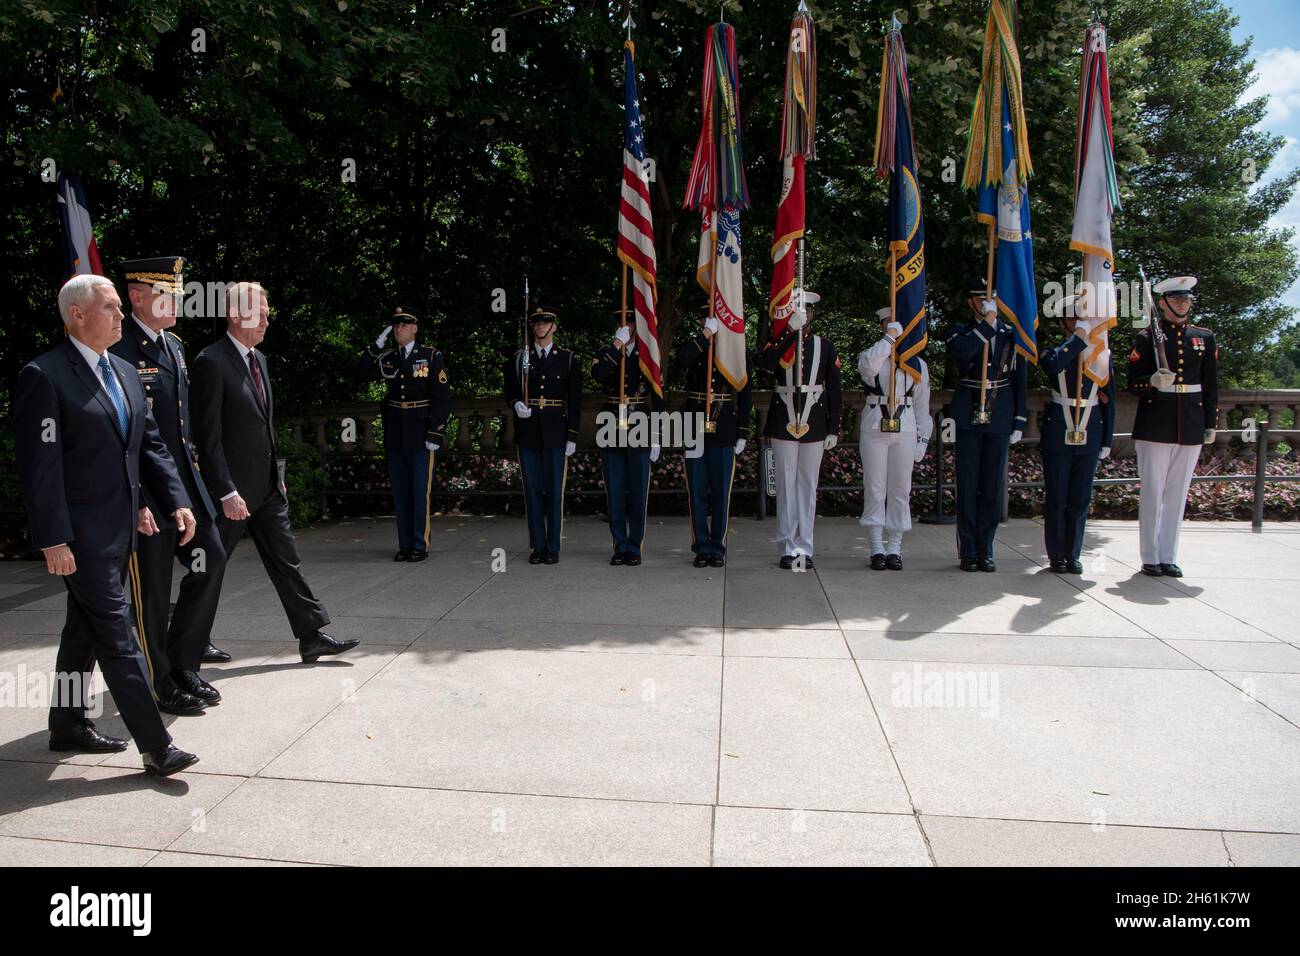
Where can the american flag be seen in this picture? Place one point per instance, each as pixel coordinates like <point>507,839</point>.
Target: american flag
<point>78,237</point>
<point>636,234</point>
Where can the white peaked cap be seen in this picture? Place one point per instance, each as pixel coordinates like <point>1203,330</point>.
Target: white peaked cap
<point>1174,284</point>
<point>810,297</point>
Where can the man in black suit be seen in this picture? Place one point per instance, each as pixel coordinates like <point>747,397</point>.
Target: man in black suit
<point>234,428</point>
<point>174,654</point>
<point>86,441</point>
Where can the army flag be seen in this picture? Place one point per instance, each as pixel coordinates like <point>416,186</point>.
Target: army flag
<point>717,189</point>
<point>998,166</point>
<point>74,221</point>
<point>895,158</point>
<point>636,233</point>
<point>798,121</point>
<point>1096,197</point>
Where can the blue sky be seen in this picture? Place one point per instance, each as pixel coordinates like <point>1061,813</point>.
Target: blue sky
<point>1275,27</point>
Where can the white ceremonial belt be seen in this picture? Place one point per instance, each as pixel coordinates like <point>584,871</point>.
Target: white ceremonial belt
<point>874,401</point>
<point>1180,389</point>
<point>1067,402</point>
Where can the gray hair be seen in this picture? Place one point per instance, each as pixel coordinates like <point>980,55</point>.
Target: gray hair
<point>79,291</point>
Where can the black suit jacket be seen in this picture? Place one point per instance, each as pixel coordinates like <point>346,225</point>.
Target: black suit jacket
<point>559,379</point>
<point>734,418</point>
<point>1175,418</point>
<point>234,435</point>
<point>166,385</point>
<point>81,479</point>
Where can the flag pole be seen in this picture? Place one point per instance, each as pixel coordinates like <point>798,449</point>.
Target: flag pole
<point>709,424</point>
<point>893,317</point>
<point>988,296</point>
<point>527,344</point>
<point>622,361</point>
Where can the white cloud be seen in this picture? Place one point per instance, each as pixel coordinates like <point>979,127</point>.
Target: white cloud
<point>1278,77</point>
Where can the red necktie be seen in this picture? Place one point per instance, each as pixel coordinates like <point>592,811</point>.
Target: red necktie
<point>255,370</point>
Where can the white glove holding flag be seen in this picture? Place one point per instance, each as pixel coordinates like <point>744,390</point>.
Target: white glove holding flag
<point>989,306</point>
<point>569,449</point>
<point>383,337</point>
<point>711,326</point>
<point>622,336</point>
<point>1104,454</point>
<point>431,446</point>
<point>797,320</point>
<point>831,441</point>
<point>522,410</point>
<point>740,445</point>
<point>654,452</point>
<point>894,330</point>
<point>1016,436</point>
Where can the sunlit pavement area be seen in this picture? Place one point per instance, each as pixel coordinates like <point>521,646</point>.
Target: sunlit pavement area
<point>588,714</point>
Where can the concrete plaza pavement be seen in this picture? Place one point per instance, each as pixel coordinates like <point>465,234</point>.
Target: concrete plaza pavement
<point>588,714</point>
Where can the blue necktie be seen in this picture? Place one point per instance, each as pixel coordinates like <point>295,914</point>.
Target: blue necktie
<point>115,393</point>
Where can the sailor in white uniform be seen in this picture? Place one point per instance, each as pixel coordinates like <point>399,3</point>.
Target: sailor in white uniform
<point>891,440</point>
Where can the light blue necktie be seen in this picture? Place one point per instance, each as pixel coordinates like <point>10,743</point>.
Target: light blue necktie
<point>115,393</point>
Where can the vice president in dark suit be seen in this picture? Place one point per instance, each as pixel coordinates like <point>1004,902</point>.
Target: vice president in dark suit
<point>234,429</point>
<point>86,441</point>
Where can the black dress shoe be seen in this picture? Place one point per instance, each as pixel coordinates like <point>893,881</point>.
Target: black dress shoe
<point>212,655</point>
<point>181,704</point>
<point>787,562</point>
<point>403,554</point>
<point>1059,566</point>
<point>877,562</point>
<point>894,562</point>
<point>701,561</point>
<point>617,558</point>
<point>987,565</point>
<point>321,644</point>
<point>632,560</point>
<point>1153,570</point>
<point>1076,566</point>
<point>535,556</point>
<point>85,739</point>
<point>196,686</point>
<point>551,557</point>
<point>168,760</point>
<point>808,564</point>
<point>417,556</point>
<point>969,564</point>
<point>716,561</point>
<point>1171,570</point>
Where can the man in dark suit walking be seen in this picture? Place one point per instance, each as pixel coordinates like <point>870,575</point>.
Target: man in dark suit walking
<point>234,428</point>
<point>86,441</point>
<point>174,653</point>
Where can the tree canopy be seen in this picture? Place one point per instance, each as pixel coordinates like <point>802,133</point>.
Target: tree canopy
<point>223,130</point>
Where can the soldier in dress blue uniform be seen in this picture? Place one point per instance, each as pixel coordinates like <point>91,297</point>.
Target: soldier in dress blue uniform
<point>1075,436</point>
<point>1177,411</point>
<point>547,399</point>
<point>989,407</point>
<point>415,411</point>
<point>627,468</point>
<point>709,476</point>
<point>811,402</point>
<point>174,652</point>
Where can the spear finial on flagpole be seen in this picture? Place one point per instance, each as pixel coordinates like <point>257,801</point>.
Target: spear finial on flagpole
<point>629,22</point>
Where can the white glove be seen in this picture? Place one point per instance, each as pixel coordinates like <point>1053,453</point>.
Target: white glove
<point>654,452</point>
<point>798,320</point>
<point>1105,453</point>
<point>831,441</point>
<point>1015,437</point>
<point>431,446</point>
<point>1081,332</point>
<point>740,445</point>
<point>989,306</point>
<point>1209,436</point>
<point>894,330</point>
<point>522,410</point>
<point>383,337</point>
<point>624,334</point>
<point>569,449</point>
<point>920,452</point>
<point>711,325</point>
<point>1162,379</point>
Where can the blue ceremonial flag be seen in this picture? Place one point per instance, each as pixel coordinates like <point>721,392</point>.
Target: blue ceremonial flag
<point>1007,206</point>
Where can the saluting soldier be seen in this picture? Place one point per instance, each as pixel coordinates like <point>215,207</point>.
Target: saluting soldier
<point>617,370</point>
<point>415,411</point>
<point>709,476</point>
<point>546,393</point>
<point>1177,413</point>
<point>989,407</point>
<point>174,652</point>
<point>1076,434</point>
<point>803,422</point>
<point>892,440</point>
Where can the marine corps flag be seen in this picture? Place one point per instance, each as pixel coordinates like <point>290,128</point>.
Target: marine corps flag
<point>798,120</point>
<point>896,159</point>
<point>74,222</point>
<point>717,188</point>
<point>998,165</point>
<point>1096,197</point>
